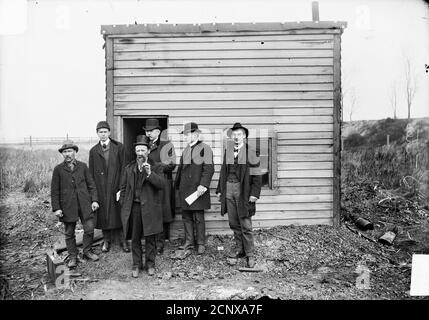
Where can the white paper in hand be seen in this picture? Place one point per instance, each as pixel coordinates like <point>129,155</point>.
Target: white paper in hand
<point>118,195</point>
<point>191,199</point>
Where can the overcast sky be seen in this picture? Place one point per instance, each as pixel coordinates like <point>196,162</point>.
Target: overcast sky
<point>52,62</point>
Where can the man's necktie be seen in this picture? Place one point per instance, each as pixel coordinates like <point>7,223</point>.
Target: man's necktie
<point>236,152</point>
<point>104,145</point>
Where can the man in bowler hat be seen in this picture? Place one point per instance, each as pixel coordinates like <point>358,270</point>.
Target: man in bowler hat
<point>141,213</point>
<point>238,189</point>
<point>106,163</point>
<point>74,197</point>
<point>194,174</point>
<point>161,151</point>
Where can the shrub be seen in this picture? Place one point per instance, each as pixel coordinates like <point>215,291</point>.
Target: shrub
<point>354,140</point>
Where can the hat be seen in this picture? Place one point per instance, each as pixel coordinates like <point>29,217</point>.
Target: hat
<point>237,126</point>
<point>142,140</point>
<point>152,124</point>
<point>190,127</point>
<point>68,145</point>
<point>102,124</point>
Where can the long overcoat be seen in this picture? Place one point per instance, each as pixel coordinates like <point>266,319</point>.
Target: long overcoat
<point>107,179</point>
<point>150,199</point>
<point>196,168</point>
<point>163,153</point>
<point>249,176</point>
<point>70,186</point>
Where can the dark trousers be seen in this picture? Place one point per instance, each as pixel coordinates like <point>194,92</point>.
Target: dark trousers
<point>162,236</point>
<point>241,226</point>
<point>136,225</point>
<point>110,235</point>
<point>191,218</point>
<point>88,235</point>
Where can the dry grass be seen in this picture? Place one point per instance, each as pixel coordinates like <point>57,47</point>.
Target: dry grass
<point>389,165</point>
<point>30,171</point>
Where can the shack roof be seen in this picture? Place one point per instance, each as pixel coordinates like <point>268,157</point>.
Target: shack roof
<point>220,27</point>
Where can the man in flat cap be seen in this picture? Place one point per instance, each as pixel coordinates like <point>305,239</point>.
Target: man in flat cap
<point>161,151</point>
<point>106,164</point>
<point>194,174</point>
<point>238,189</point>
<point>74,197</point>
<point>141,213</point>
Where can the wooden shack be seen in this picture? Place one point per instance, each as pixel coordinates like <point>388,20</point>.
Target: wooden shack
<point>281,78</point>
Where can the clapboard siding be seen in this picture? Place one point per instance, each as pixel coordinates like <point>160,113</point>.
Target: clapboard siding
<point>280,80</point>
<point>215,63</point>
<point>201,79</point>
<point>248,37</point>
<point>222,54</point>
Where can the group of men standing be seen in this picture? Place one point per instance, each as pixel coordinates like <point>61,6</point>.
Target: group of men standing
<point>137,200</point>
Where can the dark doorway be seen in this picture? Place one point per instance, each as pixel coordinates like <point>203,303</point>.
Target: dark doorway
<point>134,127</point>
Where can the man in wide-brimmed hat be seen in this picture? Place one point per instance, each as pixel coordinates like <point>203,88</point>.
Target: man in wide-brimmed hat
<point>161,151</point>
<point>106,163</point>
<point>74,197</point>
<point>238,189</point>
<point>141,212</point>
<point>194,174</point>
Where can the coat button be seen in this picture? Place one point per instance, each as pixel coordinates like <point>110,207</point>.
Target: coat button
<point>102,173</point>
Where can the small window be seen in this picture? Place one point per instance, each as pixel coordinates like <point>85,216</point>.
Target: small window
<point>264,149</point>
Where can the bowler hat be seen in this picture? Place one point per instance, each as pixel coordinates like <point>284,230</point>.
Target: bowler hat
<point>152,124</point>
<point>142,140</point>
<point>102,125</point>
<point>237,126</point>
<point>68,145</point>
<point>190,127</point>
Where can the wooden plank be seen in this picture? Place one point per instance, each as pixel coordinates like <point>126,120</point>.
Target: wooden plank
<point>325,165</point>
<point>251,119</point>
<point>294,157</point>
<point>305,149</point>
<point>226,34</point>
<point>222,71</point>
<point>305,142</point>
<point>305,127</point>
<point>229,37</point>
<point>109,83</point>
<point>307,190</point>
<point>225,88</point>
<point>286,198</point>
<point>199,63</point>
<point>305,173</point>
<point>291,206</point>
<point>287,136</point>
<point>305,182</point>
<point>237,54</point>
<point>337,131</point>
<point>230,45</point>
<point>222,96</point>
<point>283,79</point>
<point>238,112</point>
<point>204,105</point>
<point>269,215</point>
<point>221,27</point>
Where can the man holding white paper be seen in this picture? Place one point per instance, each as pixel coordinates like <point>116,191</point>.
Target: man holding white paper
<point>193,179</point>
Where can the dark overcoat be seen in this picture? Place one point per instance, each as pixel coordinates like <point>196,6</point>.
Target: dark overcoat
<point>248,174</point>
<point>163,153</point>
<point>196,168</point>
<point>150,200</point>
<point>68,187</point>
<point>107,180</point>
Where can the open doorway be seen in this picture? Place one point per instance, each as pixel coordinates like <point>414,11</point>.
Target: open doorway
<point>133,127</point>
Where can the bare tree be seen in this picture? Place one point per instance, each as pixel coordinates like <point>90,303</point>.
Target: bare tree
<point>394,98</point>
<point>410,84</point>
<point>352,106</point>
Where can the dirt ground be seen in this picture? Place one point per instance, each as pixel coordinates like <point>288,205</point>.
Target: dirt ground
<point>296,262</point>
